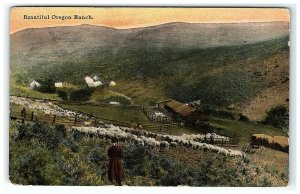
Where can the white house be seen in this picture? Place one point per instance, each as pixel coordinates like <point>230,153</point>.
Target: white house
<point>58,85</point>
<point>97,83</point>
<point>34,84</point>
<point>89,81</point>
<point>112,83</point>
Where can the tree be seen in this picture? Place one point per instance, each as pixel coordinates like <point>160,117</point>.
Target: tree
<point>47,86</point>
<point>276,116</point>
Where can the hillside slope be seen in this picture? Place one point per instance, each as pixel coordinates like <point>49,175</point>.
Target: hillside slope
<point>244,65</point>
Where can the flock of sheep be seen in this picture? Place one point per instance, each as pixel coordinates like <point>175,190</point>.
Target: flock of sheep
<point>125,134</point>
<point>45,107</point>
<point>154,140</point>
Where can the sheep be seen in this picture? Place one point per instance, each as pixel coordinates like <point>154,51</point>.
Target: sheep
<point>87,123</point>
<point>164,144</point>
<point>173,144</point>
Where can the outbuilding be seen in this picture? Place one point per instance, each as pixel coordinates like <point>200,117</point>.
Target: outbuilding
<point>112,83</point>
<point>58,85</point>
<point>176,108</point>
<point>34,84</point>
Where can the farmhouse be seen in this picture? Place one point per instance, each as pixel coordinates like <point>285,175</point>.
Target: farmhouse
<point>176,108</point>
<point>58,84</point>
<point>34,84</point>
<point>91,82</point>
<point>112,83</point>
<point>97,83</point>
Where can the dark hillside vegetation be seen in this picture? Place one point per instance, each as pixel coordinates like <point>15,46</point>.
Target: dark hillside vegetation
<point>217,76</point>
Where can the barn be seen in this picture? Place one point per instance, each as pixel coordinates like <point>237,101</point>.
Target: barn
<point>176,108</point>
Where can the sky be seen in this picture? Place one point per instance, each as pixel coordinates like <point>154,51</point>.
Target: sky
<point>122,18</point>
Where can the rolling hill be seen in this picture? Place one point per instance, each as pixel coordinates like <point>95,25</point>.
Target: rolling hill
<point>244,65</point>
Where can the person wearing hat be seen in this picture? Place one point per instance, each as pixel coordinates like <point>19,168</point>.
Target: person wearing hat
<point>115,170</point>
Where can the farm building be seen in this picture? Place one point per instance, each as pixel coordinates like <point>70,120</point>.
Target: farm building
<point>176,108</point>
<point>112,83</point>
<point>97,83</point>
<point>58,85</point>
<point>34,84</point>
<point>96,78</point>
<point>275,142</point>
<point>91,83</point>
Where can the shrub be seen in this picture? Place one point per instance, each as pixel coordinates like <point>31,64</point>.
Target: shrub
<point>62,95</point>
<point>243,118</point>
<point>82,94</point>
<point>134,158</point>
<point>276,117</point>
<point>47,86</point>
<point>34,166</point>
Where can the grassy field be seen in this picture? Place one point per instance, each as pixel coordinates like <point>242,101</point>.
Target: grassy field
<point>243,130</point>
<point>26,90</point>
<point>141,92</point>
<point>106,95</point>
<point>118,114</point>
<point>126,115</point>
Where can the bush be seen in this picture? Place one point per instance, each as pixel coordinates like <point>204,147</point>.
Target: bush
<point>82,94</point>
<point>48,136</point>
<point>62,95</point>
<point>34,166</point>
<point>47,86</point>
<point>276,117</point>
<point>134,158</point>
<point>243,118</point>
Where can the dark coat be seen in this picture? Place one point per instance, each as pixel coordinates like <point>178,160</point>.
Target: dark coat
<point>115,170</point>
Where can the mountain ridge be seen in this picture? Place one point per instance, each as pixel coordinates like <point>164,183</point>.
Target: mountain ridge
<point>154,25</point>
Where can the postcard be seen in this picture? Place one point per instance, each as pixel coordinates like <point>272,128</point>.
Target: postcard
<point>149,96</point>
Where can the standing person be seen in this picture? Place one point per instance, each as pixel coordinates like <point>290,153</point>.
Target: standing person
<point>115,170</point>
<point>23,113</point>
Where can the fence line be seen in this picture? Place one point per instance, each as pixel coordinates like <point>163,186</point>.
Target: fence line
<point>76,121</point>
